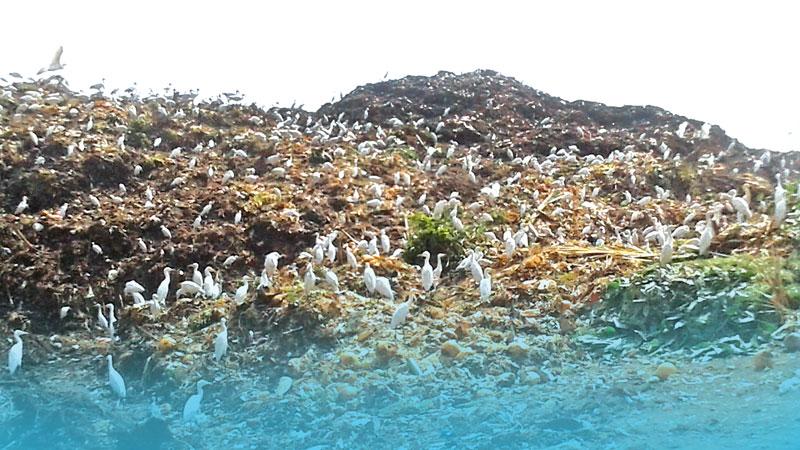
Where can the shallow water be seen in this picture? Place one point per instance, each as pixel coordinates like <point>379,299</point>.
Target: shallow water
<point>613,404</point>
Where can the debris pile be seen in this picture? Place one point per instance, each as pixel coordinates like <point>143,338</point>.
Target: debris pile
<point>308,231</point>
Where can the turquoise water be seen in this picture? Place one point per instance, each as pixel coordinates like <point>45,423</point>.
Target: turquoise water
<point>615,405</point>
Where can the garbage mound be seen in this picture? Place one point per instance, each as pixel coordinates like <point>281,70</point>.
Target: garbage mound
<point>535,205</point>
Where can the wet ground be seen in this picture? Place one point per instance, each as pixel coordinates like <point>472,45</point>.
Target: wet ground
<point>613,402</point>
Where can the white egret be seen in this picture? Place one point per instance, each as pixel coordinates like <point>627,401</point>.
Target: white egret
<point>369,278</point>
<point>115,380</point>
<point>309,279</point>
<point>351,258</point>
<point>401,313</point>
<point>705,238</point>
<point>241,292</point>
<point>221,341</point>
<point>666,248</point>
<point>188,288</point>
<point>132,286</point>
<point>332,280</point>
<point>197,277</point>
<point>112,319</point>
<point>163,288</point>
<point>437,272</point>
<point>15,354</point>
<point>486,285</point>
<point>780,203</point>
<point>101,318</point>
<point>384,287</point>
<point>271,263</point>
<point>427,272</point>
<point>191,410</point>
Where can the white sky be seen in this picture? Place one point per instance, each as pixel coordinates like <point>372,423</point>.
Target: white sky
<point>734,65</point>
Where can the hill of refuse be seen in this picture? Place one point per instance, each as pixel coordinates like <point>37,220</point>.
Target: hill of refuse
<point>556,199</point>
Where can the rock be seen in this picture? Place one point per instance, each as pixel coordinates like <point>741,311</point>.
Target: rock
<point>518,349</point>
<point>792,342</point>
<point>346,391</point>
<point>506,379</point>
<point>763,360</point>
<point>284,384</point>
<point>385,351</point>
<point>665,370</point>
<point>349,359</point>
<point>451,349</point>
<point>531,377</point>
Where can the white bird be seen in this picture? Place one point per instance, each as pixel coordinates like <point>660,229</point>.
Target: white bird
<point>384,288</point>
<point>229,261</point>
<point>309,279</point>
<point>369,278</point>
<point>132,286</point>
<point>237,218</point>
<point>208,282</point>
<point>64,311</point>
<point>55,63</point>
<point>427,272</point>
<point>271,263</point>
<point>332,280</point>
<point>264,280</point>
<point>705,238</point>
<point>15,354</point>
<point>188,288</point>
<point>437,272</point>
<point>401,313</point>
<point>241,292</point>
<point>165,231</point>
<point>163,288</point>
<point>221,341</point>
<point>510,245</point>
<point>97,249</point>
<point>666,248</point>
<point>780,203</point>
<point>351,258</point>
<point>101,318</point>
<point>742,209</point>
<point>206,209</point>
<point>112,319</point>
<point>197,277</point>
<point>22,206</point>
<point>475,268</point>
<point>115,380</point>
<point>486,286</point>
<point>191,409</point>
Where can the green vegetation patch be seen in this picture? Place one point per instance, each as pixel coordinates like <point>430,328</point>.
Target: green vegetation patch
<point>433,235</point>
<point>698,302</point>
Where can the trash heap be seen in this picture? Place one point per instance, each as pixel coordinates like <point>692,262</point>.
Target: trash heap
<point>570,205</point>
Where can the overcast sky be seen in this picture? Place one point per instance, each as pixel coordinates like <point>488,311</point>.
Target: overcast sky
<point>732,65</point>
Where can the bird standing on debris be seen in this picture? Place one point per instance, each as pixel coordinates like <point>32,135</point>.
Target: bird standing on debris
<point>22,206</point>
<point>115,380</point>
<point>221,341</point>
<point>241,292</point>
<point>780,203</point>
<point>369,278</point>
<point>163,288</point>
<point>486,285</point>
<point>309,279</point>
<point>705,239</point>
<point>191,410</point>
<point>15,354</point>
<point>384,288</point>
<point>427,272</point>
<point>401,313</point>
